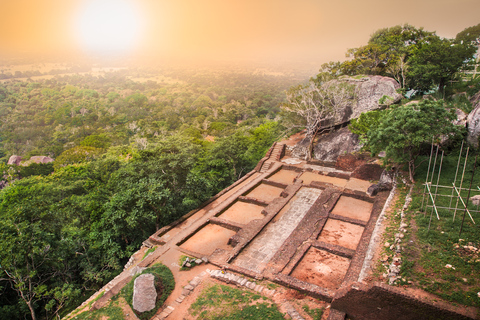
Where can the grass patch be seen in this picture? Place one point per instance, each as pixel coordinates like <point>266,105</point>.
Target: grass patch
<point>164,282</point>
<point>182,260</point>
<point>439,260</point>
<point>113,312</point>
<point>149,251</point>
<point>223,302</point>
<point>316,314</point>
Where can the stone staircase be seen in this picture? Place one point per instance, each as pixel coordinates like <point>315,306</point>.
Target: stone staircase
<point>274,154</point>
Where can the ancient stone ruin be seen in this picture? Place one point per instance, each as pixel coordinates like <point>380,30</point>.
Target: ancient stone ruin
<point>308,226</point>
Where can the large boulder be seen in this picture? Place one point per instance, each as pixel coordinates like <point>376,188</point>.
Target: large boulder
<point>36,159</point>
<point>14,160</point>
<point>371,93</point>
<point>473,121</point>
<point>331,145</point>
<point>144,293</point>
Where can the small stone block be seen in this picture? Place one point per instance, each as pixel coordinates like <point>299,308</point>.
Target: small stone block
<point>163,315</point>
<point>188,287</point>
<point>198,261</point>
<point>188,264</point>
<point>250,285</point>
<point>186,292</point>
<point>180,299</point>
<point>205,259</point>
<point>194,282</point>
<point>243,281</point>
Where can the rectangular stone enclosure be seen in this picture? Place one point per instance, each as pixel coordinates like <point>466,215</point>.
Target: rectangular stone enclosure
<point>309,177</point>
<point>341,233</point>
<point>284,176</point>
<point>265,192</point>
<point>353,208</point>
<point>321,268</point>
<point>207,239</point>
<point>242,212</point>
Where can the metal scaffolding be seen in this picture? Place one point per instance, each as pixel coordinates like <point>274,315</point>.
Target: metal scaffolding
<point>431,191</point>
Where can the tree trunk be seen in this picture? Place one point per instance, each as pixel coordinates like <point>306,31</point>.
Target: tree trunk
<point>441,87</point>
<point>32,311</point>
<point>411,170</point>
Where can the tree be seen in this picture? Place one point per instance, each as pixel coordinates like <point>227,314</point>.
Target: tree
<point>317,104</point>
<point>437,63</point>
<point>468,35</point>
<point>386,53</point>
<point>404,130</point>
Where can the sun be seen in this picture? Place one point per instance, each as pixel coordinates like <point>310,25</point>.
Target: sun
<point>108,26</point>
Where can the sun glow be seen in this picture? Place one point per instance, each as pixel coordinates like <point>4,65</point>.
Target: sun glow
<point>109,26</point>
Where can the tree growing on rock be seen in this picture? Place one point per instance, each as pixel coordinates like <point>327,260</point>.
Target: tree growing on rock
<point>404,130</point>
<point>316,105</point>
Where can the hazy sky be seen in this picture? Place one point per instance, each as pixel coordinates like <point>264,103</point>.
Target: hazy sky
<point>307,30</point>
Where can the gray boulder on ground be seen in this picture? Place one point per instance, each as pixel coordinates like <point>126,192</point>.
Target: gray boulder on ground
<point>144,293</point>
<point>384,184</point>
<point>14,160</point>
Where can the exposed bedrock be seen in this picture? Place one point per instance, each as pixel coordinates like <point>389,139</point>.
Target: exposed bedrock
<point>473,121</point>
<point>371,93</point>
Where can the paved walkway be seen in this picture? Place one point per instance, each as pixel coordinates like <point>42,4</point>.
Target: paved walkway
<point>259,252</point>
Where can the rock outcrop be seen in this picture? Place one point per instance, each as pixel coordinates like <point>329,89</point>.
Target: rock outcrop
<point>14,160</point>
<point>473,121</point>
<point>144,293</point>
<point>330,146</point>
<point>371,93</point>
<point>19,161</point>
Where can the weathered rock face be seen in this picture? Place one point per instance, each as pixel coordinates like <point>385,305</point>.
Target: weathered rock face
<point>369,91</point>
<point>461,118</point>
<point>144,293</point>
<point>14,160</point>
<point>18,161</point>
<point>475,100</point>
<point>330,146</point>
<point>473,122</point>
<point>41,159</point>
